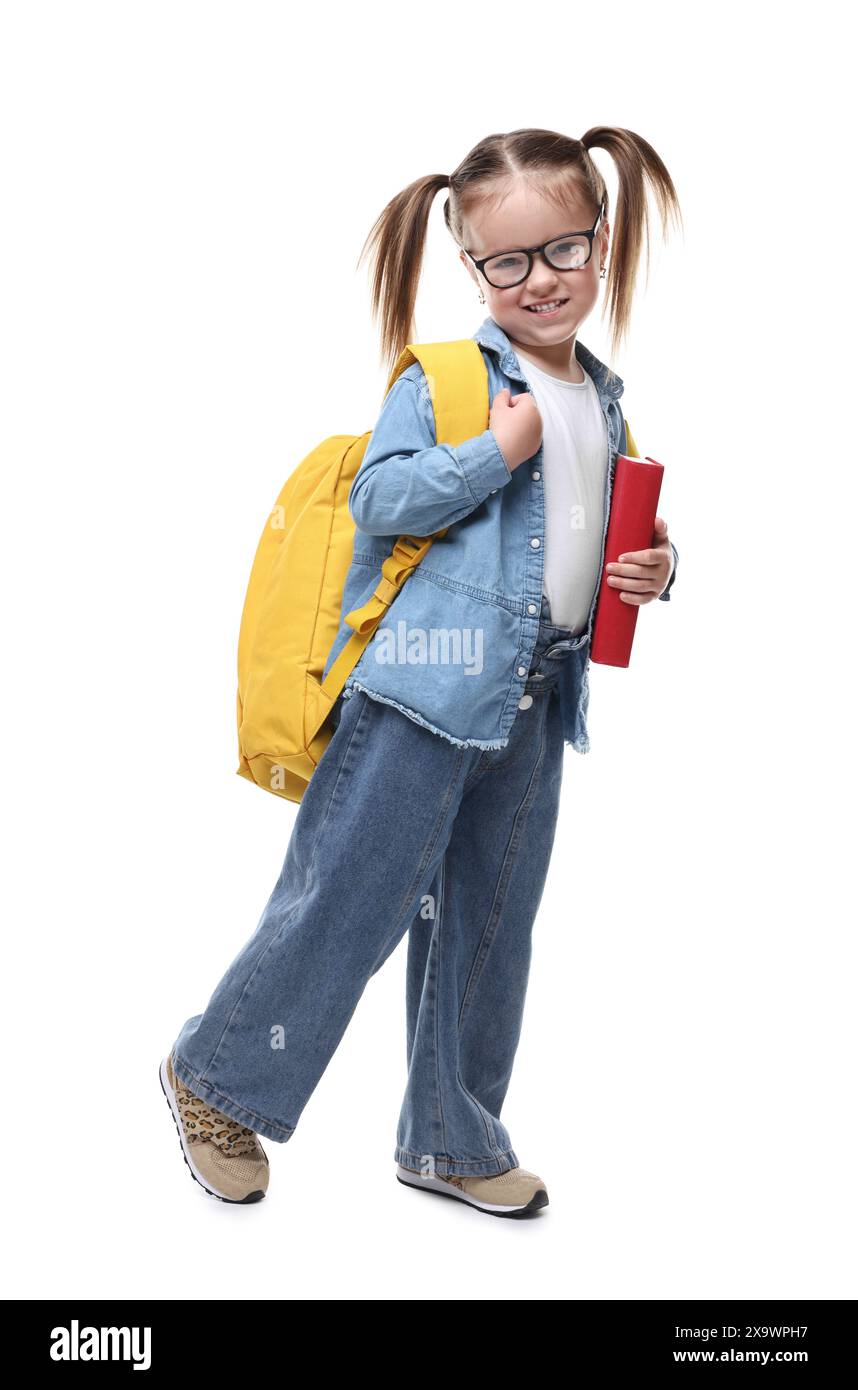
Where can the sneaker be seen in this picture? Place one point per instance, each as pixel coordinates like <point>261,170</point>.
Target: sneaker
<point>513,1193</point>
<point>225,1157</point>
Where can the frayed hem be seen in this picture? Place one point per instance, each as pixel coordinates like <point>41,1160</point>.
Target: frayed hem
<point>418,719</point>
<point>580,745</point>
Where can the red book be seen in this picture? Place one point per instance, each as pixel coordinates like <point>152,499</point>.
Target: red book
<point>634,502</point>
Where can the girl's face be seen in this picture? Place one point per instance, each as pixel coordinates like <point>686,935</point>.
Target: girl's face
<point>527,219</point>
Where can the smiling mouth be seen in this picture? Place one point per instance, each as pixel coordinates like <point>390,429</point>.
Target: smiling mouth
<point>549,306</point>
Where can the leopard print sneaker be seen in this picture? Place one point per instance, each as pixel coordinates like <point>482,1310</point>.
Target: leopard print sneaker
<point>224,1156</point>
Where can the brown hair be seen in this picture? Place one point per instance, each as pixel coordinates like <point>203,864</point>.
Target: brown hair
<point>556,165</point>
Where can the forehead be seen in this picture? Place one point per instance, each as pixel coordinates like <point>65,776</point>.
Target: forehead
<point>521,216</point>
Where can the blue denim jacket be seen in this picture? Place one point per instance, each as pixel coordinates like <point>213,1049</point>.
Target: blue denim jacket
<point>453,650</point>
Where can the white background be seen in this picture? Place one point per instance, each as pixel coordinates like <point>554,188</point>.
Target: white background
<point>187,188</point>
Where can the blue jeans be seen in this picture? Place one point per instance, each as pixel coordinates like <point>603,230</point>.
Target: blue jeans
<point>399,831</point>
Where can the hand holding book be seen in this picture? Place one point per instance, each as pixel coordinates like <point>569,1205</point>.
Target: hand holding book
<point>638,557</point>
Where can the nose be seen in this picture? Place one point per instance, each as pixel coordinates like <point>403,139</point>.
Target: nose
<point>542,272</point>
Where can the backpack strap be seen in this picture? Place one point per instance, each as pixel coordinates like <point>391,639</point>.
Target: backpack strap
<point>459,388</point>
<point>631,447</point>
<point>458,384</point>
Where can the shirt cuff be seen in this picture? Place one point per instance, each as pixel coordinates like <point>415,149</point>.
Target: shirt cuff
<point>483,465</point>
<point>665,595</point>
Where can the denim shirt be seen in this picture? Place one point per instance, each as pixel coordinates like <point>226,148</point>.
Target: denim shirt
<point>453,650</point>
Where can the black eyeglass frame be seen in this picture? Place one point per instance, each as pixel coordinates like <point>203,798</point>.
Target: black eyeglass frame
<point>531,251</point>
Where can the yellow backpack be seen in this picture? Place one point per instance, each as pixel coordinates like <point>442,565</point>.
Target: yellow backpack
<point>292,610</point>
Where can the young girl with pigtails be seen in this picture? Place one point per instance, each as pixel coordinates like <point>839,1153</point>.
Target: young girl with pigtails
<point>433,808</point>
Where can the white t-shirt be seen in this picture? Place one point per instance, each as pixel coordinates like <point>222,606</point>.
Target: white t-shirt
<point>575,465</point>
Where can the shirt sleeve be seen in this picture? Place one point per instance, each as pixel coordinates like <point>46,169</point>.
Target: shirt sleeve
<point>407,482</point>
<point>667,590</point>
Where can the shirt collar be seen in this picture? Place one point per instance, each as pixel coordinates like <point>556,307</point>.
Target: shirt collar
<point>490,335</point>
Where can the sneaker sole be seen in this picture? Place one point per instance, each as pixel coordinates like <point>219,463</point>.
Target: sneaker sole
<point>408,1178</point>
<point>170,1098</point>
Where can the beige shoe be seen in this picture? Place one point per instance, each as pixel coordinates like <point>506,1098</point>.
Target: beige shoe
<point>225,1157</point>
<point>513,1193</point>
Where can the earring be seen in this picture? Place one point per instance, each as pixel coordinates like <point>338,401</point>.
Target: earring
<point>603,273</point>
<point>482,297</point>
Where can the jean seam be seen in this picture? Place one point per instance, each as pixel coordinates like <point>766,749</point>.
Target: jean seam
<point>429,849</point>
<point>472,1098</point>
<point>490,930</point>
<point>480,768</point>
<point>341,769</point>
<point>439,926</point>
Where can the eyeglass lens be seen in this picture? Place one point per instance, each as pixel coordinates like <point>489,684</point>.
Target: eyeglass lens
<point>569,253</point>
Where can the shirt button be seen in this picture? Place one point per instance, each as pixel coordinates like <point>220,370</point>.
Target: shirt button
<point>531,608</point>
<point>536,476</point>
<point>522,670</point>
<point>525,702</point>
<point>534,541</point>
<point>494,490</point>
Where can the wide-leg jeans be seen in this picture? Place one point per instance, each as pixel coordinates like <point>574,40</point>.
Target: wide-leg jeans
<point>399,831</point>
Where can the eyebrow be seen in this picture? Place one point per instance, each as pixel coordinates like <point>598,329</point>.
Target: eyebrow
<point>505,249</point>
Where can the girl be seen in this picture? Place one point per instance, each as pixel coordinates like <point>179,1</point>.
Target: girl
<point>434,807</point>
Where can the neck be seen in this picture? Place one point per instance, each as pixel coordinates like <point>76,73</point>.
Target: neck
<point>558,359</point>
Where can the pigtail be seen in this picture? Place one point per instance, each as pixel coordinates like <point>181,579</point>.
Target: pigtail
<point>556,164</point>
<point>395,246</point>
<point>637,165</point>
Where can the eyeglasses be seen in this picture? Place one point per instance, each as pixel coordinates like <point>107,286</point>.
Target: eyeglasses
<point>508,268</point>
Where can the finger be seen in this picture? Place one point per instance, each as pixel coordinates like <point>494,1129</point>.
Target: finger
<point>634,571</point>
<point>638,599</point>
<point>639,557</point>
<point>620,581</point>
<point>660,527</point>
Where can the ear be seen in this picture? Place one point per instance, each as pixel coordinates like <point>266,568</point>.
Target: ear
<point>470,269</point>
